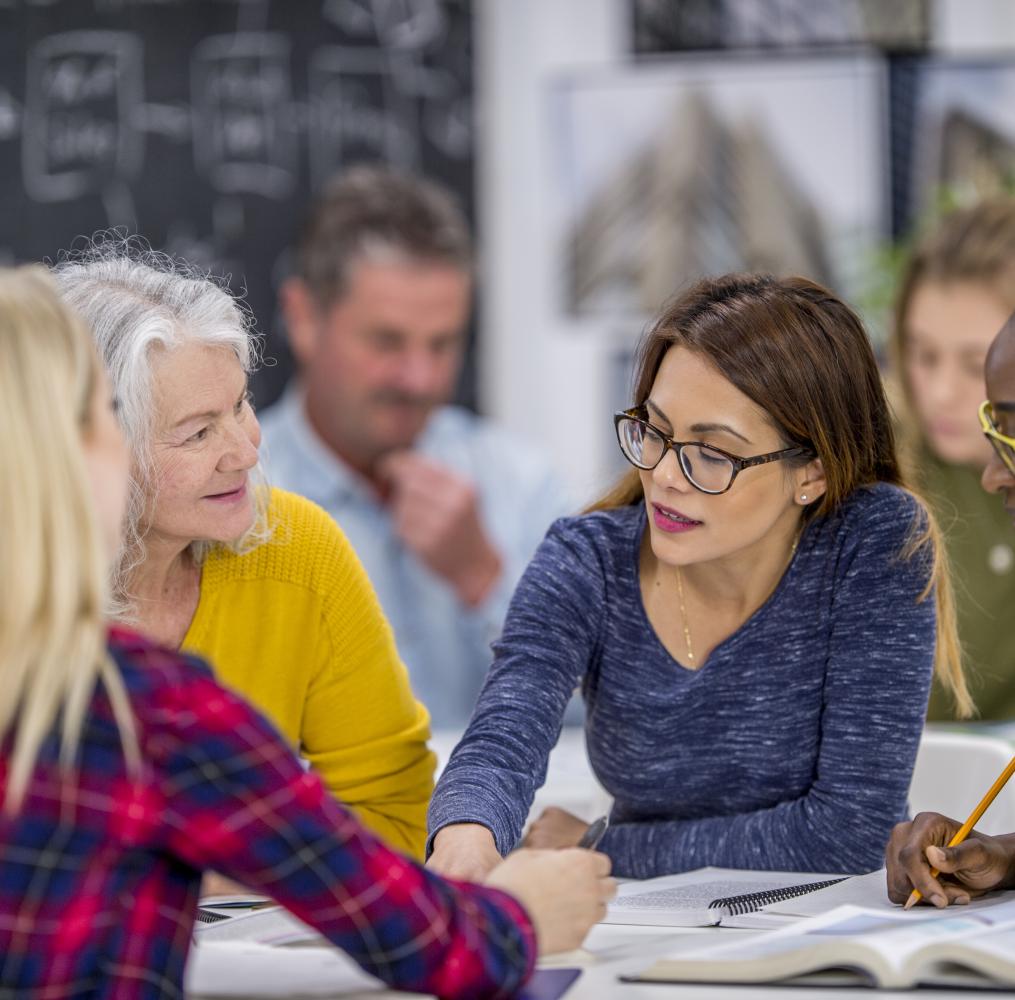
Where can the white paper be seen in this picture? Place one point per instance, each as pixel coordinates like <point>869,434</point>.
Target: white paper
<point>273,925</point>
<point>682,900</point>
<point>999,942</point>
<point>869,891</point>
<point>246,969</point>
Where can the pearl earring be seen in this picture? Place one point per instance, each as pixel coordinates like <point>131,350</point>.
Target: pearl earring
<point>803,498</point>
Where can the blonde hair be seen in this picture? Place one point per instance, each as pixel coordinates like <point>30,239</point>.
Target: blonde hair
<point>971,246</point>
<point>54,581</point>
<point>803,356</point>
<point>135,299</point>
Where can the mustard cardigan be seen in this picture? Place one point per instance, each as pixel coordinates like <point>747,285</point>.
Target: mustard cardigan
<point>295,627</point>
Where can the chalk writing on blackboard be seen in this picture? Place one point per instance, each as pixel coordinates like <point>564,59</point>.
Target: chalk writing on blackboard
<point>358,112</point>
<point>244,134</point>
<point>81,89</point>
<point>207,126</point>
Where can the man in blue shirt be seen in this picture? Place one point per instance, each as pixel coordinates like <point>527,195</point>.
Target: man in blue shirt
<point>443,508</point>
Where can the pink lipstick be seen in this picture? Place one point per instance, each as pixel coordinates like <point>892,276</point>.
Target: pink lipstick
<point>672,521</point>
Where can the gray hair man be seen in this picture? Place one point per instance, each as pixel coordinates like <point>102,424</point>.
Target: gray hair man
<point>444,508</point>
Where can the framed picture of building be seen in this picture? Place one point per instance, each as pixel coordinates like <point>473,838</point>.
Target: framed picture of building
<point>701,165</point>
<point>953,129</point>
<point>665,26</point>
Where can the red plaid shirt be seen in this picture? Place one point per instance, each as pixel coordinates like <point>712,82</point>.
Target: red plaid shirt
<point>99,874</point>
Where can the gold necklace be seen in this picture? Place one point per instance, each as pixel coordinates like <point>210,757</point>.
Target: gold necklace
<point>683,610</point>
<point>683,618</point>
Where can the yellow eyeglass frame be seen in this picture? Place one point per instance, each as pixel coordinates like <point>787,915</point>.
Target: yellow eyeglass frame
<point>1003,445</point>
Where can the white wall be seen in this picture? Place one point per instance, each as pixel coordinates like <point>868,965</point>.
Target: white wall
<point>537,376</point>
<point>970,26</point>
<point>540,373</point>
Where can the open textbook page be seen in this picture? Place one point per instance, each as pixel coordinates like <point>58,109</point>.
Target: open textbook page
<point>685,900</point>
<point>853,945</point>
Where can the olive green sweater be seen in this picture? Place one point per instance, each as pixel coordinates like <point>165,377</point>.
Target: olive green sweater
<point>981,544</point>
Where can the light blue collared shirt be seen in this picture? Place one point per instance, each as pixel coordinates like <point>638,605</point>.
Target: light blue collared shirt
<point>444,644</point>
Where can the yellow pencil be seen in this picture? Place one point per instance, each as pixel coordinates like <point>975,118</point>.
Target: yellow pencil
<point>974,818</point>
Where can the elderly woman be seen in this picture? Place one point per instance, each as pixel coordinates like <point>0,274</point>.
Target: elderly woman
<point>260,582</point>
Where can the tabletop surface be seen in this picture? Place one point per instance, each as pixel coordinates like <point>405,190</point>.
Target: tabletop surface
<point>612,950</point>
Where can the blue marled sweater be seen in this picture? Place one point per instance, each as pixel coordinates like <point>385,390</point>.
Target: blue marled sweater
<point>790,748</point>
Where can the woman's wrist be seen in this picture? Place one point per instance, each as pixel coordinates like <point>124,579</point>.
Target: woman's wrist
<point>464,851</point>
<point>463,833</point>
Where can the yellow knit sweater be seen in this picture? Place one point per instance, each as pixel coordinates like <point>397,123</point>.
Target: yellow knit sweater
<point>295,627</point>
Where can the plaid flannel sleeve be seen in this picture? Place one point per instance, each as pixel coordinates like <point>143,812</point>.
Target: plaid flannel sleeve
<point>235,798</point>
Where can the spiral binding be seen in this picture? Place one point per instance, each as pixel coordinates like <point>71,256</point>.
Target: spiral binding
<point>750,902</point>
<point>210,916</point>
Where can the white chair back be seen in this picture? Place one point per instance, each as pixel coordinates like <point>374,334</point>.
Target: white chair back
<point>953,772</point>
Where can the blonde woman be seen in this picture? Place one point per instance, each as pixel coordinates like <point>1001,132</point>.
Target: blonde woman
<point>260,582</point>
<point>957,292</point>
<point>125,768</point>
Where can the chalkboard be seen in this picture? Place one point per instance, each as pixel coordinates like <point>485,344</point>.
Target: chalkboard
<point>207,125</point>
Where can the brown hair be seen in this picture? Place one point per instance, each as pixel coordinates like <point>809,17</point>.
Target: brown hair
<point>972,246</point>
<point>802,355</point>
<point>369,211</point>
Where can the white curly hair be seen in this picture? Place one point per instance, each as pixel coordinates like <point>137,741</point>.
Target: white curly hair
<point>134,299</point>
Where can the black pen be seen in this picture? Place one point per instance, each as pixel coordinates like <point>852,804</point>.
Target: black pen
<point>594,833</point>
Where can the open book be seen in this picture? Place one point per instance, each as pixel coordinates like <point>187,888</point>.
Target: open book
<point>851,945</point>
<point>708,896</point>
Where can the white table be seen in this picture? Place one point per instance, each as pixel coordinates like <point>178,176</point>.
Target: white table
<point>611,950</point>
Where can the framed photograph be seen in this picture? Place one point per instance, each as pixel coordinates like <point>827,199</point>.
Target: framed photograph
<point>953,125</point>
<point>665,26</point>
<point>672,171</point>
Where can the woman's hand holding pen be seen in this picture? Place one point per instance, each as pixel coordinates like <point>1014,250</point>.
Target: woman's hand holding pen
<point>977,865</point>
<point>564,892</point>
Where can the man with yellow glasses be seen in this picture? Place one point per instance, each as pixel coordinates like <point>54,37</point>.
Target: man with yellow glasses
<point>981,863</point>
<point>992,418</point>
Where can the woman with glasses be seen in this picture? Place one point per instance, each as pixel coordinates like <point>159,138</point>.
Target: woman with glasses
<point>957,290</point>
<point>753,613</point>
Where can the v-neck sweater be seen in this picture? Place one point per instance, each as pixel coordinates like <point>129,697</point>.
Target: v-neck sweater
<point>791,748</point>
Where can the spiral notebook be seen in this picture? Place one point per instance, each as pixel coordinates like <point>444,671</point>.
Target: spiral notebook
<point>711,896</point>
